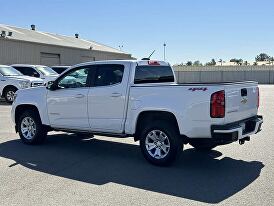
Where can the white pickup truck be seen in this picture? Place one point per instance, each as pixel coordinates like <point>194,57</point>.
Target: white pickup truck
<point>139,99</point>
<point>11,80</point>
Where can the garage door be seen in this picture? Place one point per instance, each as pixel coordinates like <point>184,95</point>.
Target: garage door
<point>50,59</point>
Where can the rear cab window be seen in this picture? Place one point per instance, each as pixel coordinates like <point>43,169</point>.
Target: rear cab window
<point>153,74</point>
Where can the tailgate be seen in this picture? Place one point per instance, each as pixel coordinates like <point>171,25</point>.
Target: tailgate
<point>241,101</point>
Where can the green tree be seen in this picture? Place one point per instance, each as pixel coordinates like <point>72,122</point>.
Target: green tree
<point>221,61</point>
<point>189,63</point>
<point>211,63</point>
<point>262,57</point>
<point>197,63</point>
<point>237,61</point>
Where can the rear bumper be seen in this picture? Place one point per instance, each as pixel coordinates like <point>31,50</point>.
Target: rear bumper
<point>223,134</point>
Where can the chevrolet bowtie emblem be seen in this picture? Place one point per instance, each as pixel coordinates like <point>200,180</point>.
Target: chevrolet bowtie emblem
<point>244,101</point>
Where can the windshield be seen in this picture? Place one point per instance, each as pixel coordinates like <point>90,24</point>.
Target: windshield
<point>9,71</point>
<point>47,71</point>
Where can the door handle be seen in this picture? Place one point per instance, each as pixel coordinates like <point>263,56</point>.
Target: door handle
<point>79,96</point>
<point>2,80</point>
<point>116,94</point>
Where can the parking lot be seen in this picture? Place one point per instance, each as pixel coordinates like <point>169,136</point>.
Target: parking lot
<point>67,170</point>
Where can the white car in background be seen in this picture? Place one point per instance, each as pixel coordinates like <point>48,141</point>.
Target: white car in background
<point>11,80</point>
<point>44,72</point>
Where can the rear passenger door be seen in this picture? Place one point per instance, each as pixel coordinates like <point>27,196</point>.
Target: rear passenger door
<point>107,98</point>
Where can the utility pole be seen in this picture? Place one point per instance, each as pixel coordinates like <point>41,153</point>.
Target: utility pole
<point>121,47</point>
<point>164,51</point>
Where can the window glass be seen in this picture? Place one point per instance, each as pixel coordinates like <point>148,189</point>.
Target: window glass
<point>9,71</point>
<point>153,74</point>
<point>59,69</point>
<point>47,71</point>
<point>74,79</point>
<point>109,74</point>
<point>28,71</point>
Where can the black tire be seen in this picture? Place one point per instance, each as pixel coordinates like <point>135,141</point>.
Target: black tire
<point>40,133</point>
<point>203,147</point>
<point>9,92</point>
<point>173,136</point>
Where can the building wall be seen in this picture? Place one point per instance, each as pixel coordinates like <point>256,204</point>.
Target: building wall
<point>203,74</point>
<point>19,52</point>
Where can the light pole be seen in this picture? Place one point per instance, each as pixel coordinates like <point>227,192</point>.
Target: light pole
<point>164,51</point>
<point>120,47</point>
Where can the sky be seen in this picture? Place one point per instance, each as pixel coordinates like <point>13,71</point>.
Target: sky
<point>192,29</point>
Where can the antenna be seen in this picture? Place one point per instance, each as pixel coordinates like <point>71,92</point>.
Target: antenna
<point>148,58</point>
<point>151,54</point>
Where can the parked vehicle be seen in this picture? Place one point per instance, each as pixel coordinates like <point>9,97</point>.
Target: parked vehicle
<point>39,71</point>
<point>60,69</point>
<point>11,80</point>
<point>139,99</point>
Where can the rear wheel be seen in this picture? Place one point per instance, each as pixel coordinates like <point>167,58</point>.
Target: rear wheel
<point>9,94</point>
<point>160,143</point>
<point>30,128</point>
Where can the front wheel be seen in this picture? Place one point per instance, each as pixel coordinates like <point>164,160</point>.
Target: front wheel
<point>160,143</point>
<point>30,128</point>
<point>10,94</point>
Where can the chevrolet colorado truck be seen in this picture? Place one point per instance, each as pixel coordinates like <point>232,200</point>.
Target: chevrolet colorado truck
<point>139,99</point>
<point>11,80</point>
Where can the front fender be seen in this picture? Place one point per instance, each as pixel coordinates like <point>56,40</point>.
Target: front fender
<point>32,96</point>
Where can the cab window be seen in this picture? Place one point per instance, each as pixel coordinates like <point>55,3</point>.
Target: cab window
<point>75,79</point>
<point>109,74</point>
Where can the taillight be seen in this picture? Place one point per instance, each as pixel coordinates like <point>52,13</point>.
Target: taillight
<point>258,97</point>
<point>217,104</point>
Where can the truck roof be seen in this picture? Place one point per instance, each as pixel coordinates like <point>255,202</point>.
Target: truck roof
<point>138,62</point>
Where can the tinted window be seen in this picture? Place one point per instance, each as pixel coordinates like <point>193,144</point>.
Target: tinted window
<point>153,74</point>
<point>75,79</point>
<point>109,74</point>
<point>28,71</point>
<point>59,70</point>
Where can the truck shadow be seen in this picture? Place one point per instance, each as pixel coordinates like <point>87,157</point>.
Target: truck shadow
<point>196,176</point>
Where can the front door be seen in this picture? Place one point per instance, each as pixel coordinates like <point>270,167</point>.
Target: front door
<point>67,105</point>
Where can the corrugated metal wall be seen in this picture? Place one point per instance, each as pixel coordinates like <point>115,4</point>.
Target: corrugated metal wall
<point>19,52</point>
<point>261,74</point>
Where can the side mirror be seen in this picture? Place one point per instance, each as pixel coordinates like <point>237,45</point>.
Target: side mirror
<point>51,85</point>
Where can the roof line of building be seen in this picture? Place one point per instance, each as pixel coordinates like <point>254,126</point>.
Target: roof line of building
<point>55,36</point>
<point>76,48</point>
